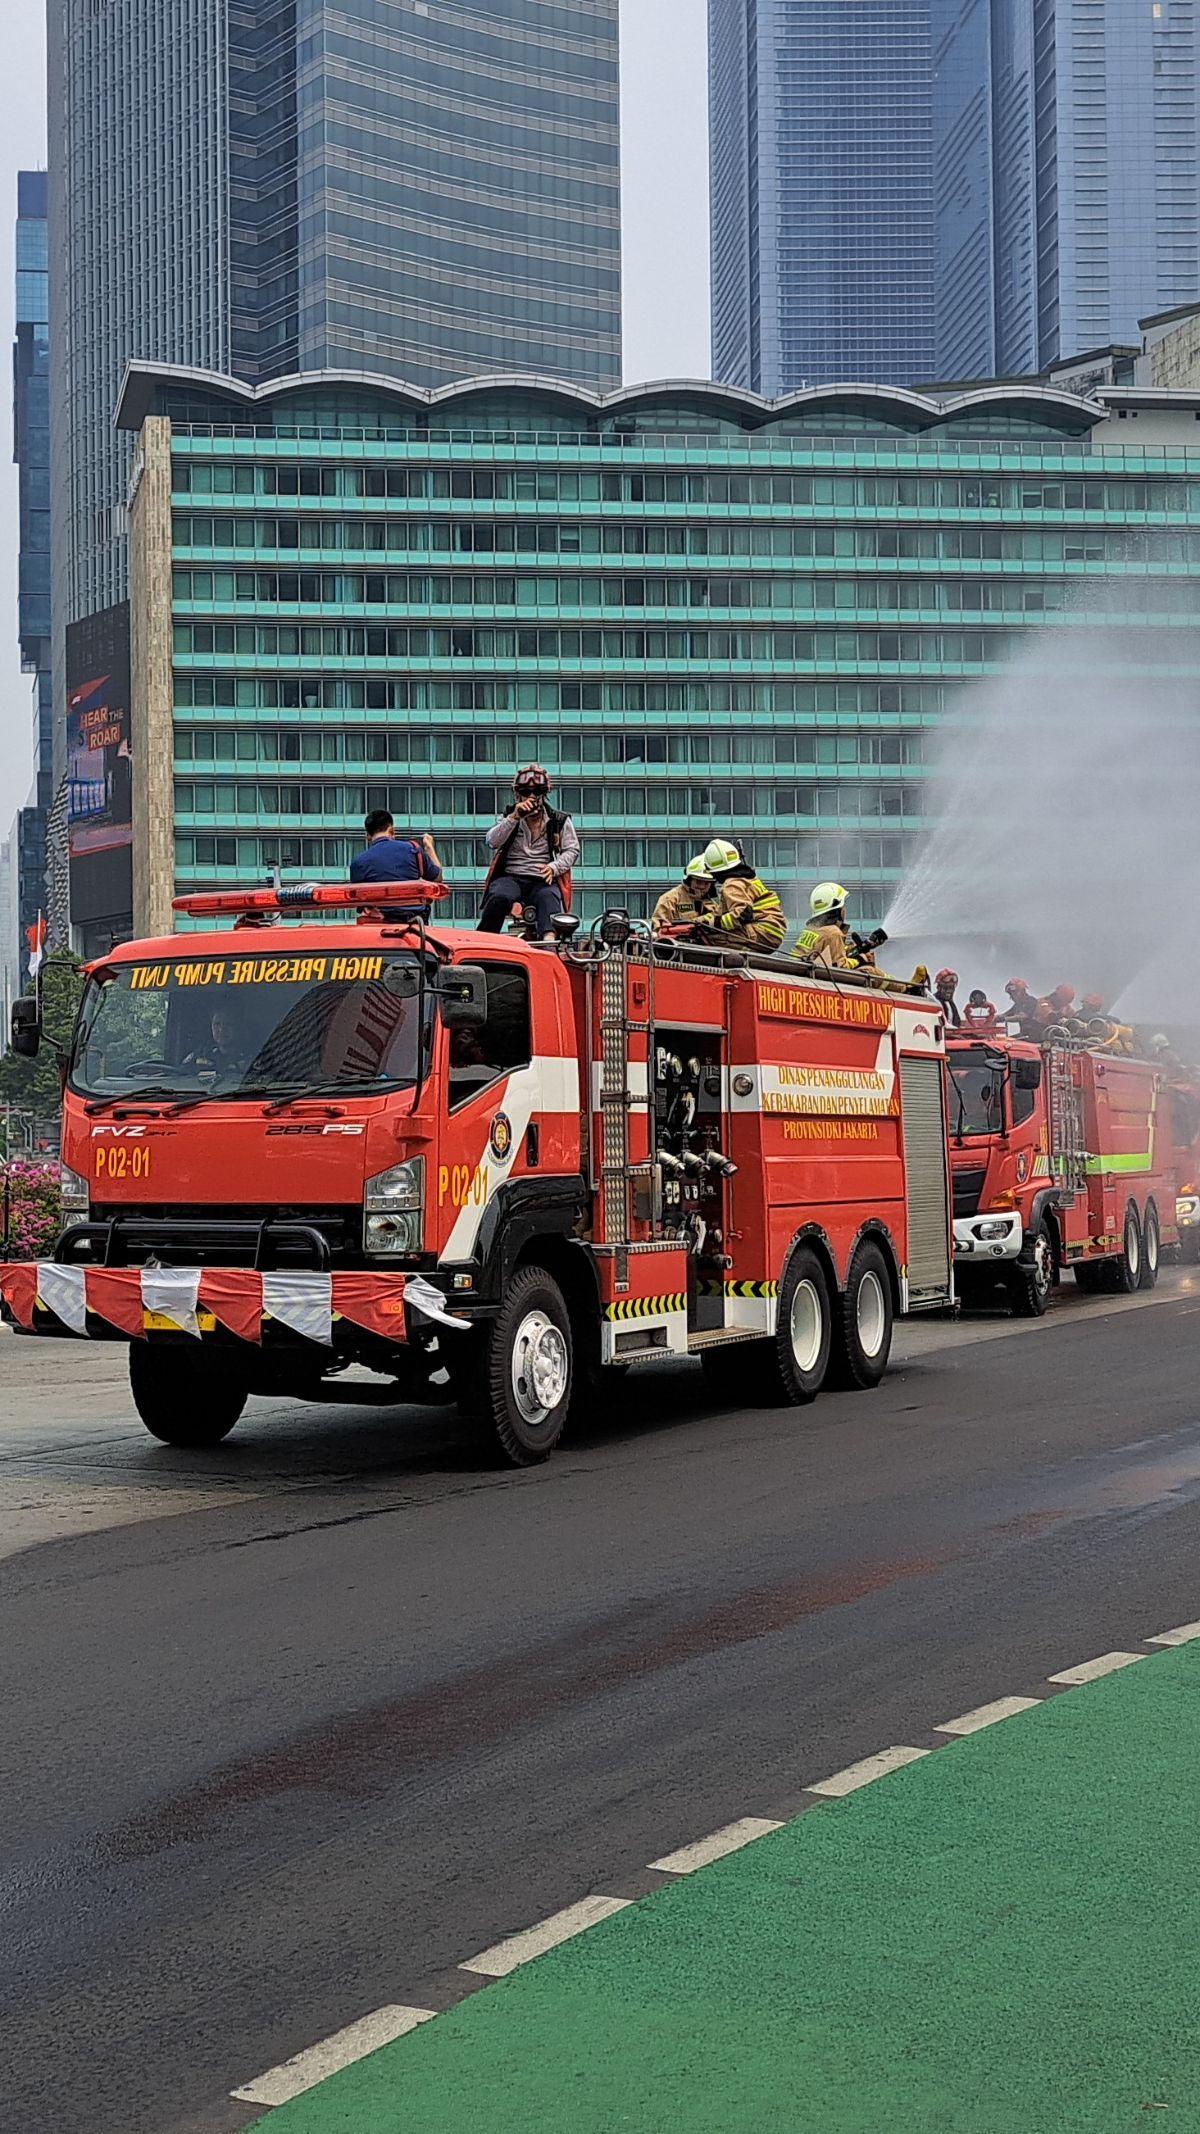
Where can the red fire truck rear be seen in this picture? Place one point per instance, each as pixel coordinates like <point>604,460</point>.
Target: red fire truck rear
<point>1062,1155</point>
<point>489,1170</point>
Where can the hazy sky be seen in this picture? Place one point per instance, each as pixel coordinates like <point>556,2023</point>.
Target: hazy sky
<point>666,257</point>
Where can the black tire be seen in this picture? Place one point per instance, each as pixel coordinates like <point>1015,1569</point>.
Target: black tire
<point>1030,1282</point>
<point>1151,1247</point>
<point>183,1398</point>
<point>790,1369</point>
<point>528,1359</point>
<point>1091,1276</point>
<point>1189,1248</point>
<point>1125,1273</point>
<point>862,1331</point>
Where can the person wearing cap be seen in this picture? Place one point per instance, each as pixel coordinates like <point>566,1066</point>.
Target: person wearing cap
<point>1024,1009</point>
<point>534,850</point>
<point>944,986</point>
<point>748,914</point>
<point>691,903</point>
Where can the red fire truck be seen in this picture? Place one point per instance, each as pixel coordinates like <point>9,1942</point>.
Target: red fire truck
<point>490,1170</point>
<point>1061,1156</point>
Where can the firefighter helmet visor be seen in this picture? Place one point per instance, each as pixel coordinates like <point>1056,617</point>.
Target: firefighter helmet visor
<point>532,780</point>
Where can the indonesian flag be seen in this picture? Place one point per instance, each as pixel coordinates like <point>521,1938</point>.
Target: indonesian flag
<point>36,937</point>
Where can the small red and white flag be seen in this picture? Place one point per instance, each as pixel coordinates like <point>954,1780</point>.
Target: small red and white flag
<point>36,937</point>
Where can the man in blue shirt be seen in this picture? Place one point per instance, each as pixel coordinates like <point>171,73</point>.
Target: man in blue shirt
<point>388,858</point>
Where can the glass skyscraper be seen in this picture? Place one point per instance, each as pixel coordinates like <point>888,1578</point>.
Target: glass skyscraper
<point>822,192</point>
<point>31,451</point>
<point>1067,170</point>
<point>257,187</point>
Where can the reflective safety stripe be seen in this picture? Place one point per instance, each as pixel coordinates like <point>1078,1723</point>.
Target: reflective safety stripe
<point>646,1307</point>
<point>751,1289</point>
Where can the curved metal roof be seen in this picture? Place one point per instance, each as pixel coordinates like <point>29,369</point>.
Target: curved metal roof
<point>142,383</point>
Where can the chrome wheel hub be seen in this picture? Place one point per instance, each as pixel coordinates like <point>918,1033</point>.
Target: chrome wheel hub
<point>540,1368</point>
<point>806,1326</point>
<point>870,1314</point>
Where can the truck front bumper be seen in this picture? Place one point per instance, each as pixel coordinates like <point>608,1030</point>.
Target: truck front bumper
<point>980,1238</point>
<point>1187,1211</point>
<point>48,1297</point>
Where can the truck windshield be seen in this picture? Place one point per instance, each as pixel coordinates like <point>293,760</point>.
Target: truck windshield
<point>977,1106</point>
<point>269,1024</point>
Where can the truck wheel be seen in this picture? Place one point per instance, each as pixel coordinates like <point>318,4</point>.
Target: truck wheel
<point>1189,1248</point>
<point>790,1369</point>
<point>1031,1282</point>
<point>1126,1273</point>
<point>529,1374</point>
<point>184,1398</point>
<point>1151,1247</point>
<point>862,1334</point>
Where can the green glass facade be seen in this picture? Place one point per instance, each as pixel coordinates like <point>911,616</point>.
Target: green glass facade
<point>701,614</point>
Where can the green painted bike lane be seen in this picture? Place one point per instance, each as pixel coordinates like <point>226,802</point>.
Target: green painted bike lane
<point>1003,1938</point>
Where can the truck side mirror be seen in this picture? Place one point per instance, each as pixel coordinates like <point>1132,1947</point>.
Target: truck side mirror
<point>1027,1074</point>
<point>26,1027</point>
<point>462,996</point>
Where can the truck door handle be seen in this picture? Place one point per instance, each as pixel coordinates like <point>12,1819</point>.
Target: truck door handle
<point>532,1148</point>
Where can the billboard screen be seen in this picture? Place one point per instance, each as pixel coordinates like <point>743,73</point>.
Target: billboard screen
<point>100,772</point>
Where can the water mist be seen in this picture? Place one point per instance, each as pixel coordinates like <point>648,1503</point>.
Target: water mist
<point>1065,796</point>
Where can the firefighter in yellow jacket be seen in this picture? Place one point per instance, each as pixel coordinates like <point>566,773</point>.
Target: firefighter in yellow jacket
<point>691,904</point>
<point>748,915</point>
<point>823,942</point>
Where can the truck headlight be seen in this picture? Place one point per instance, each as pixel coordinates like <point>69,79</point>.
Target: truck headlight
<point>394,1208</point>
<point>996,1229</point>
<point>1187,1208</point>
<point>392,1233</point>
<point>75,1191</point>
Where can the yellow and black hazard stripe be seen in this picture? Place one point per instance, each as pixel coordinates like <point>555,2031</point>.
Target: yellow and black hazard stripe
<point>752,1289</point>
<point>646,1307</point>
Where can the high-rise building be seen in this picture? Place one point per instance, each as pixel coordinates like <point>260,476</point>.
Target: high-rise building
<point>822,192</point>
<point>1067,176</point>
<point>259,187</point>
<point>31,451</point>
<point>702,613</point>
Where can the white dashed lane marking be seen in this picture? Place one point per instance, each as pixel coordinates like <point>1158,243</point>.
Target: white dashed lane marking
<point>716,1846</point>
<point>280,2084</point>
<point>306,2069</point>
<point>1091,1670</point>
<point>1183,1636</point>
<point>506,1956</point>
<point>864,1773</point>
<point>988,1715</point>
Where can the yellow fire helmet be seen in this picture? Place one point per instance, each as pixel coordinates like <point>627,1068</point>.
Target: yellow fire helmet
<point>721,855</point>
<point>697,869</point>
<point>827,897</point>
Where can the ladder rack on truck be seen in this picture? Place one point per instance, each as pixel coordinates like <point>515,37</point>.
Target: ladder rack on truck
<point>491,1169</point>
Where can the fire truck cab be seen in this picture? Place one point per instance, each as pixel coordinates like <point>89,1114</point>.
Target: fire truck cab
<point>1061,1156</point>
<point>488,1169</point>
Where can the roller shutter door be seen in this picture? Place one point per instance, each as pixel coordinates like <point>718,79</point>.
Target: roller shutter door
<point>926,1164</point>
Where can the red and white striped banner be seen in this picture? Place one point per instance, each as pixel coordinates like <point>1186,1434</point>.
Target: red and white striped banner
<point>239,1298</point>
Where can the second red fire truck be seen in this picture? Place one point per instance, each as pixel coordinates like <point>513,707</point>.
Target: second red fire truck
<point>1064,1155</point>
<point>490,1170</point>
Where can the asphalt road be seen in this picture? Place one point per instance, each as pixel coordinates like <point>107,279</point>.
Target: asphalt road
<point>293,1728</point>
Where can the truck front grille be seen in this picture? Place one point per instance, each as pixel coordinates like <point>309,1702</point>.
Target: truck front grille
<point>968,1185</point>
